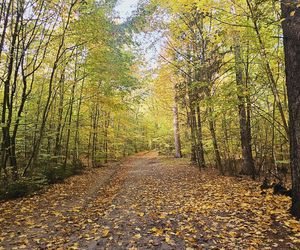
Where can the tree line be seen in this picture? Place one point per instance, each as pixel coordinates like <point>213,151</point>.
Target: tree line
<point>232,73</point>
<point>68,94</point>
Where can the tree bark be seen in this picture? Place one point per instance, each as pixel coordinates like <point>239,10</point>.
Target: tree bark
<point>6,116</point>
<point>215,142</point>
<point>291,33</point>
<point>245,130</point>
<point>200,148</point>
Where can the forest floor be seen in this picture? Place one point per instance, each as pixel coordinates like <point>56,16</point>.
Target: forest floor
<point>150,202</point>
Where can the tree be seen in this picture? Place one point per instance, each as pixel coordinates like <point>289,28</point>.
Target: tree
<point>60,88</point>
<point>244,118</point>
<point>177,140</point>
<point>291,33</point>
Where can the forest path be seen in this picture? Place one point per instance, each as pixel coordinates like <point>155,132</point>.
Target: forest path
<point>150,202</point>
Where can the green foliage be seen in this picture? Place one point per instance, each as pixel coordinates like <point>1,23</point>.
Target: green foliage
<point>54,173</point>
<point>51,174</point>
<point>20,188</point>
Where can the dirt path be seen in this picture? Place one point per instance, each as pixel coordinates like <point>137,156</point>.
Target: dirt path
<point>150,202</point>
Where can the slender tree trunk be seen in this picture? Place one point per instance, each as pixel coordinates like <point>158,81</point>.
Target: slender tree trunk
<point>57,149</point>
<point>95,119</point>
<point>60,52</point>
<point>212,129</point>
<point>177,141</point>
<point>5,24</point>
<point>106,126</point>
<point>77,138</point>
<point>200,148</point>
<point>245,131</point>
<point>192,123</point>
<point>197,152</point>
<point>69,123</point>
<point>6,117</point>
<point>227,151</point>
<point>291,32</point>
<point>215,142</point>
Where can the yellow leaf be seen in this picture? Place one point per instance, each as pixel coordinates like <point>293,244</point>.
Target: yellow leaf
<point>105,233</point>
<point>162,216</point>
<point>168,239</point>
<point>232,234</point>
<point>137,236</point>
<point>22,246</point>
<point>156,231</point>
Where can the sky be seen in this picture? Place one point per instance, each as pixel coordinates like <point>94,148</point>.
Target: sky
<point>149,50</point>
<point>125,7</point>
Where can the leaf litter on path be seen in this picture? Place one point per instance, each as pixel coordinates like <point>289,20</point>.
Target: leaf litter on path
<point>150,202</point>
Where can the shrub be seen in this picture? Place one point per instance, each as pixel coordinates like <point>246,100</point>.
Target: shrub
<point>51,173</point>
<point>54,174</point>
<point>59,173</point>
<point>20,188</point>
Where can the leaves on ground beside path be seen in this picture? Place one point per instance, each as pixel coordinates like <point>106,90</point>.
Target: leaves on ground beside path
<point>150,203</point>
<point>64,214</point>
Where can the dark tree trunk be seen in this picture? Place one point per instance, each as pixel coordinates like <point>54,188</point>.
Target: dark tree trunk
<point>192,124</point>
<point>245,130</point>
<point>6,116</point>
<point>95,122</point>
<point>215,142</point>
<point>200,148</point>
<point>291,32</point>
<point>106,126</point>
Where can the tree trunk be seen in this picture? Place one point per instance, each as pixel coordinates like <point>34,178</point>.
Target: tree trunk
<point>6,116</point>
<point>49,101</point>
<point>191,117</point>
<point>245,130</point>
<point>72,98</point>
<point>77,138</point>
<point>57,149</point>
<point>106,126</point>
<point>177,141</point>
<point>200,148</point>
<point>291,32</point>
<point>215,142</point>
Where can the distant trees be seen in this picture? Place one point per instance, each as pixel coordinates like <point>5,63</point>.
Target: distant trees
<point>228,61</point>
<point>66,86</point>
<point>227,58</point>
